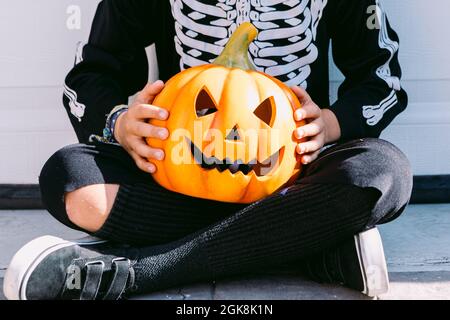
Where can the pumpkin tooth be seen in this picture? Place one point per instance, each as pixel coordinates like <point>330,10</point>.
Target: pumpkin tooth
<point>222,167</point>
<point>209,162</point>
<point>245,168</point>
<point>234,167</point>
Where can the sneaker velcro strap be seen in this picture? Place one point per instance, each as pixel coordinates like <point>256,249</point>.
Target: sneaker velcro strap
<point>118,285</point>
<point>94,272</point>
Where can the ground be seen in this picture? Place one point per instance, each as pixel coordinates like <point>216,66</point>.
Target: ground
<point>417,247</point>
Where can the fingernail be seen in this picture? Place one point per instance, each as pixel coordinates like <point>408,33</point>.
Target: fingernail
<point>159,155</point>
<point>151,169</point>
<point>300,134</point>
<point>163,134</point>
<point>163,114</point>
<point>305,161</point>
<point>301,150</point>
<point>298,115</point>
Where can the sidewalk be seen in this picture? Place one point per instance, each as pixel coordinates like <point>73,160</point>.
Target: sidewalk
<point>417,247</point>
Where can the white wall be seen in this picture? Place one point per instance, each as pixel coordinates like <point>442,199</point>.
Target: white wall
<point>37,50</point>
<point>423,130</point>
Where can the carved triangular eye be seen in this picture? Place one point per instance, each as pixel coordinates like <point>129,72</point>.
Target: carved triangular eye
<point>204,103</point>
<point>266,111</point>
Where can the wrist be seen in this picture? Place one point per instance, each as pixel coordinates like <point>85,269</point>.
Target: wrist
<point>109,133</point>
<point>116,129</point>
<point>332,127</point>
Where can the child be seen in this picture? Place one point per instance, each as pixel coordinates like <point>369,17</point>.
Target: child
<point>153,238</point>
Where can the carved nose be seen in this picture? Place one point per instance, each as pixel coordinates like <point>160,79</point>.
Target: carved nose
<point>233,135</point>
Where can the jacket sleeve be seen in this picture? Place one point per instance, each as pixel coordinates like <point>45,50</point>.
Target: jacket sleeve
<point>365,49</point>
<point>113,66</point>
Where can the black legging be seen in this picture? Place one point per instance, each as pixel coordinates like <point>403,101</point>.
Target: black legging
<point>351,187</point>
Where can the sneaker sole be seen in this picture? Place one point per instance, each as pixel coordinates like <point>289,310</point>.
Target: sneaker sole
<point>27,259</point>
<point>372,262</point>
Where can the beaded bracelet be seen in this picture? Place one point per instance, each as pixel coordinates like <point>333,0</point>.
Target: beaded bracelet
<point>108,131</point>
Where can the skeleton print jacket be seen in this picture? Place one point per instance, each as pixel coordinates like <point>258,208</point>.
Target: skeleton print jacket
<point>293,45</point>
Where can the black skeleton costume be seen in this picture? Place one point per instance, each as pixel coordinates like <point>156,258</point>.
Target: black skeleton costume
<point>292,45</point>
<point>316,223</point>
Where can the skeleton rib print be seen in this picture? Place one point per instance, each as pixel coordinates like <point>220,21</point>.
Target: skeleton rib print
<point>285,45</point>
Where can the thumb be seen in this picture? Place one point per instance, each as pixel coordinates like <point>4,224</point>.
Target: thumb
<point>150,91</point>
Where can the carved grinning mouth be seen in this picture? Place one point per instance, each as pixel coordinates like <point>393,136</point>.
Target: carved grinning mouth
<point>259,168</point>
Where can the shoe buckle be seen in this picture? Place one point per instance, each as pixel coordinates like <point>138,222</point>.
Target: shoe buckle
<point>120,259</point>
<point>95,262</point>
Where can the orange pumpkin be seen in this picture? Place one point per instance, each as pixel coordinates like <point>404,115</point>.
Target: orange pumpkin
<point>231,129</point>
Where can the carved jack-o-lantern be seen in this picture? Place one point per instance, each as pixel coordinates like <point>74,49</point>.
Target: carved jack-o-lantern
<point>231,129</point>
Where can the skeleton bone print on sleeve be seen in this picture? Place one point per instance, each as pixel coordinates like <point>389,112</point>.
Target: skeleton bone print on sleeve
<point>374,114</point>
<point>285,45</point>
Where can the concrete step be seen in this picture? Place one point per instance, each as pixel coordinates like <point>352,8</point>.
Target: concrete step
<point>417,247</point>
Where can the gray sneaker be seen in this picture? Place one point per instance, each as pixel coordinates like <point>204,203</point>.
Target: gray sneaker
<point>49,268</point>
<point>358,263</point>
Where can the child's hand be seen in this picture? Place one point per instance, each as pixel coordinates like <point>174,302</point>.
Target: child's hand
<point>322,127</point>
<point>132,127</point>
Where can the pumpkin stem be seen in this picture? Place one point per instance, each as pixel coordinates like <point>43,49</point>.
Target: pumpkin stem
<point>235,54</point>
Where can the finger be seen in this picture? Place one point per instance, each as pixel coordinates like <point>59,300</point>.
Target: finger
<point>142,163</point>
<point>145,130</point>
<point>309,146</point>
<point>308,111</point>
<point>148,111</point>
<point>307,159</point>
<point>145,151</point>
<point>301,94</point>
<point>308,130</point>
<point>150,91</point>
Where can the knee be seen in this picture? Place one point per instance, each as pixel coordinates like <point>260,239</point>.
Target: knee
<point>70,194</point>
<point>53,180</point>
<point>50,174</point>
<point>56,173</point>
<point>90,206</point>
<point>395,174</point>
<point>396,167</point>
